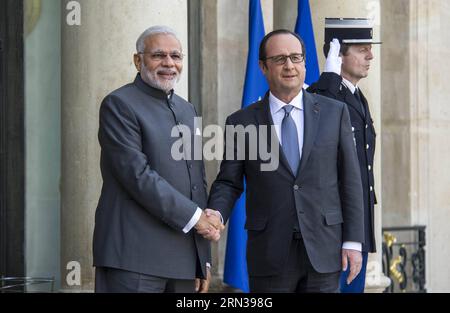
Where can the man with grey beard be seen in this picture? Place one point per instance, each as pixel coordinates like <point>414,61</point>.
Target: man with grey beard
<point>151,210</point>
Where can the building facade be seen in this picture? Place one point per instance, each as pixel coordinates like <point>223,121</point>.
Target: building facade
<point>60,58</point>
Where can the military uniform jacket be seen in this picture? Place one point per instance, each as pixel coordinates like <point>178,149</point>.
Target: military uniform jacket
<point>331,85</point>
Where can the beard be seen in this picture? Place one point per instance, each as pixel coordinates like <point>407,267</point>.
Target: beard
<point>152,78</point>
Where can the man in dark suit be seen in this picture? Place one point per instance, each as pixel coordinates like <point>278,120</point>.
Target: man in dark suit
<point>346,65</point>
<point>305,216</point>
<point>151,199</point>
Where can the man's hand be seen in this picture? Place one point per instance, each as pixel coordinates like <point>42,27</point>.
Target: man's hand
<point>334,61</point>
<point>202,285</point>
<point>210,225</point>
<point>355,259</point>
<point>210,212</point>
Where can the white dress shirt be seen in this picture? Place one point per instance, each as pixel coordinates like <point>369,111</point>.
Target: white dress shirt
<point>194,220</point>
<point>349,85</point>
<point>277,112</point>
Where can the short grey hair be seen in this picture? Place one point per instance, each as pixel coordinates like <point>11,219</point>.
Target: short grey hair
<point>154,30</point>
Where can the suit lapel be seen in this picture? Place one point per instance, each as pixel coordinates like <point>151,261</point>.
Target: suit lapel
<point>366,106</point>
<point>311,124</point>
<point>264,118</point>
<point>351,100</point>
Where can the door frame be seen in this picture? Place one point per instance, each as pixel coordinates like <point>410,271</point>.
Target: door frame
<point>12,140</point>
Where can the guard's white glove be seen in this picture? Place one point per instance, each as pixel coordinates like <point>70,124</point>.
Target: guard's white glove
<point>334,61</point>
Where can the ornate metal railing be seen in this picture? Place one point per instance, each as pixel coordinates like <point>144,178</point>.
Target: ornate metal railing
<point>404,258</point>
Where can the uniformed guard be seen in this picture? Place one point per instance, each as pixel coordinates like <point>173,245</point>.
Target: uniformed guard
<point>348,47</point>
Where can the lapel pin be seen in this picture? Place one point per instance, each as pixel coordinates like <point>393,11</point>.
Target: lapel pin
<point>316,108</point>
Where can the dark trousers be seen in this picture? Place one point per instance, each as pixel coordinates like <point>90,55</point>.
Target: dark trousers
<point>298,275</point>
<point>111,280</point>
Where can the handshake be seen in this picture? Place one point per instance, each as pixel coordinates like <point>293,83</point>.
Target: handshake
<point>210,225</point>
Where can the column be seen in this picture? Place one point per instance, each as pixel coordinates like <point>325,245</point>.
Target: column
<point>97,57</point>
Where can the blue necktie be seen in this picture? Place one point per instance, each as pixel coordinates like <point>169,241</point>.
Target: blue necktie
<point>289,138</point>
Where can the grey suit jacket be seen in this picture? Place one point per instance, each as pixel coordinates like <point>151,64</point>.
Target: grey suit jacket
<point>148,197</point>
<point>324,198</point>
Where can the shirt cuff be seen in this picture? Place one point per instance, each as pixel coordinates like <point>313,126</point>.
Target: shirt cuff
<point>221,218</point>
<point>352,245</point>
<point>193,220</point>
<point>208,265</point>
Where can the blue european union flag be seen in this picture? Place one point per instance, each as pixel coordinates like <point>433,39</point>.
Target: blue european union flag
<point>304,28</point>
<point>235,271</point>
